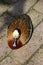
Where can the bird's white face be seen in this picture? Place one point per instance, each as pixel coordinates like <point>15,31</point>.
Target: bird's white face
<point>15,34</point>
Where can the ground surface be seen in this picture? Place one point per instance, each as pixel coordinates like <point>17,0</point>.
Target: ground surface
<point>31,53</point>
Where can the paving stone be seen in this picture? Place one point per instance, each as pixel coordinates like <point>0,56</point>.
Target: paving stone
<point>35,17</point>
<point>3,8</point>
<point>24,53</point>
<point>4,49</point>
<point>2,22</point>
<point>21,7</point>
<point>9,61</point>
<point>39,6</point>
<point>37,59</point>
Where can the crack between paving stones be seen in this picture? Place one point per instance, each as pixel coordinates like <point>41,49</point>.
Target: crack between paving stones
<point>32,6</point>
<point>3,58</point>
<point>37,11</point>
<point>38,24</point>
<point>13,59</point>
<point>27,61</point>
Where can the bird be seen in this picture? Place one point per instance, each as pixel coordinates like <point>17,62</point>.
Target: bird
<point>19,31</point>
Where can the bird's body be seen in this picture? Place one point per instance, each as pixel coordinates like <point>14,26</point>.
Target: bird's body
<point>23,24</point>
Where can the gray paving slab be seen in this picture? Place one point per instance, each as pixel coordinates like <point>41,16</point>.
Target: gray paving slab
<point>37,59</point>
<point>39,6</point>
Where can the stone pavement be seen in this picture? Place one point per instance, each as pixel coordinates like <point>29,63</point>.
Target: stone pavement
<point>32,52</point>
